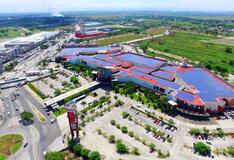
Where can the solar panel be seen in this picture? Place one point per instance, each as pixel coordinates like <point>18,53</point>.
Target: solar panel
<point>209,87</point>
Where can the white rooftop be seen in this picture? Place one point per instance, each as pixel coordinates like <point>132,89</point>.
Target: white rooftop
<point>37,37</point>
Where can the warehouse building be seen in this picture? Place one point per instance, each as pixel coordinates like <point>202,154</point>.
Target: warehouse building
<point>13,48</point>
<point>194,91</point>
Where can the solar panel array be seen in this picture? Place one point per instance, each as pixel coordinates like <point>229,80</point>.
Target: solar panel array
<point>209,87</point>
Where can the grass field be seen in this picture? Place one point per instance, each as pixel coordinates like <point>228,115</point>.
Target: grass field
<point>190,45</point>
<point>119,39</point>
<point>10,144</point>
<point>13,32</point>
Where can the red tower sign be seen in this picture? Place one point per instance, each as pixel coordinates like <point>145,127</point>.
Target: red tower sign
<point>73,120</point>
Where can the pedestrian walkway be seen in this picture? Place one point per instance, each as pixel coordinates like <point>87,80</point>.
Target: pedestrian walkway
<point>70,93</point>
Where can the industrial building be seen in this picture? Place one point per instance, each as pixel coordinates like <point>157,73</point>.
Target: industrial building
<point>194,91</point>
<point>94,32</point>
<point>13,48</point>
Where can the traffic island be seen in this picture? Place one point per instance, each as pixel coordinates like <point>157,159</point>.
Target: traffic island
<point>9,145</point>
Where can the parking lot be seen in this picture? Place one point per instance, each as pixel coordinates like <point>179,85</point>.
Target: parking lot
<point>141,140</point>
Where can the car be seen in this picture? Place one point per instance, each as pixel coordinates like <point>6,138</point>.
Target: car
<point>46,109</point>
<point>52,121</point>
<point>44,152</point>
<point>26,144</point>
<point>8,113</point>
<point>208,142</point>
<point>17,109</point>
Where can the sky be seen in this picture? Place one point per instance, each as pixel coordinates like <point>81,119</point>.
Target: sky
<point>13,6</point>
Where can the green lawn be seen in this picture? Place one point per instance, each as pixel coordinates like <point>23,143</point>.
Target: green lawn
<point>15,148</point>
<point>119,39</point>
<point>60,111</point>
<point>3,156</point>
<point>190,45</point>
<point>12,32</point>
<point>10,144</point>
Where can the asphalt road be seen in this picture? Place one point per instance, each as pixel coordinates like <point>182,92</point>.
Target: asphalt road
<point>38,135</point>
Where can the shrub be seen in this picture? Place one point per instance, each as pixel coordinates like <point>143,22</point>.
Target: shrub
<point>231,150</point>
<point>147,127</point>
<point>131,134</point>
<point>113,122</point>
<point>55,156</point>
<point>84,153</point>
<point>77,149</point>
<point>94,155</point>
<point>130,118</point>
<point>195,131</point>
<point>125,114</point>
<point>124,129</point>
<point>71,144</point>
<point>57,92</point>
<point>118,126</point>
<point>152,147</point>
<point>122,148</point>
<point>135,151</point>
<point>74,80</point>
<point>202,148</point>
<point>111,139</point>
<point>228,50</point>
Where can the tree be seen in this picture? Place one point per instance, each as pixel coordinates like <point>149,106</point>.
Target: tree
<point>147,127</point>
<point>83,103</point>
<point>152,147</point>
<point>77,149</point>
<point>53,76</point>
<point>228,50</point>
<point>55,156</point>
<point>202,148</point>
<point>122,148</point>
<point>220,133</point>
<point>194,131</point>
<point>115,97</point>
<point>74,80</point>
<point>57,92</point>
<point>94,155</point>
<point>26,116</point>
<point>231,150</point>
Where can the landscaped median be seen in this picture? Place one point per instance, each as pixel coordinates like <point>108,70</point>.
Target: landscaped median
<point>38,92</point>
<point>10,144</point>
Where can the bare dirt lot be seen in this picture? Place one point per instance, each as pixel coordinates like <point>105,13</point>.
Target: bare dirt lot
<point>224,41</point>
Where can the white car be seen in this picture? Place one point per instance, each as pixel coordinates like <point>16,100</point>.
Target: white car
<point>52,120</point>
